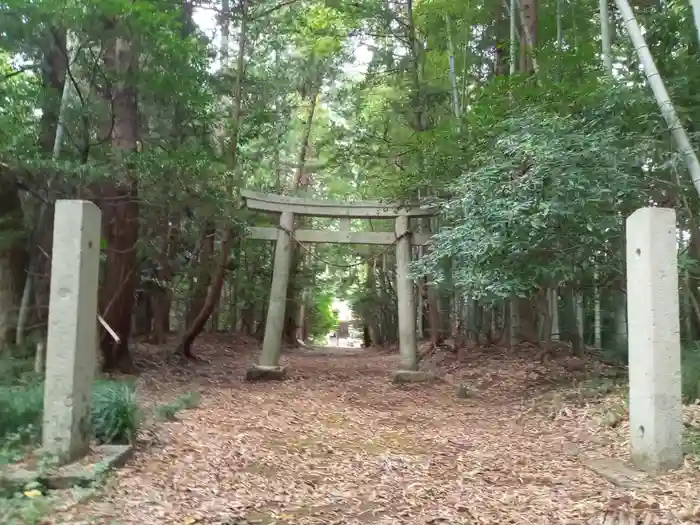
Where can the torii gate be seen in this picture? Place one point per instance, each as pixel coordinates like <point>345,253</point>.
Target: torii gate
<point>284,234</point>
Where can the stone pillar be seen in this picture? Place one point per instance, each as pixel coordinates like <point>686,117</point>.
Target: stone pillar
<point>70,347</point>
<point>654,340</point>
<point>272,343</point>
<point>404,291</point>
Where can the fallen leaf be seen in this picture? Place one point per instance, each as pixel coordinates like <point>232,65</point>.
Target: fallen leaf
<point>337,443</point>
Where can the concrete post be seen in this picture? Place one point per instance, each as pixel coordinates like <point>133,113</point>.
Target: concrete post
<point>654,340</point>
<point>404,291</point>
<point>70,359</point>
<point>272,343</point>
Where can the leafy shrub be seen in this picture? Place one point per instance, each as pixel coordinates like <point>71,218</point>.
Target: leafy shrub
<point>115,412</point>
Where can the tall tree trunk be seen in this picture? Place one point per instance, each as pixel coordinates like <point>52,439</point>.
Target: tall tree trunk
<point>606,37</point>
<point>500,67</point>
<point>513,45</point>
<point>528,35</point>
<point>118,202</point>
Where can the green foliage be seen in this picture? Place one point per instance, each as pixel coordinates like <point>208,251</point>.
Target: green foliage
<point>21,410</point>
<point>616,352</point>
<point>168,411</point>
<point>534,179</point>
<point>543,200</point>
<point>322,318</point>
<point>690,370</point>
<point>16,370</point>
<point>115,414</point>
<point>691,441</point>
<point>20,510</point>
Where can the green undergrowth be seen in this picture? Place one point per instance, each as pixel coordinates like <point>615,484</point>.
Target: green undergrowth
<point>690,368</point>
<point>691,441</point>
<point>168,411</point>
<point>116,418</point>
<point>115,411</point>
<point>20,510</point>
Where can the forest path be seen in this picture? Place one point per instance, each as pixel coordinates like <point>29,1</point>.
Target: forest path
<point>339,444</point>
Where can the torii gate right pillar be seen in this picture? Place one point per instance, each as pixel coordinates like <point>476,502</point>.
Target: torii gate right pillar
<point>408,346</point>
<point>269,366</point>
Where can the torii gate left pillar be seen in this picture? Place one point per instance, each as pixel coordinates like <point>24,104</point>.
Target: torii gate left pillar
<point>269,365</point>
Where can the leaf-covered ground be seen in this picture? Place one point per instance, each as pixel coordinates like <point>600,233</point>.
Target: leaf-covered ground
<point>339,444</point>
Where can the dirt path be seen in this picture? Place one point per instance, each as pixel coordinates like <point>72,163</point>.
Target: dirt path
<point>337,443</point>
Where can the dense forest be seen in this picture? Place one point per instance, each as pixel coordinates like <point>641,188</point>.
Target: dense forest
<point>530,124</point>
<point>533,129</point>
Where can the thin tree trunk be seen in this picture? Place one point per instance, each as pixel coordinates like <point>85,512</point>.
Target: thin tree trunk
<point>513,36</point>
<point>453,76</point>
<point>580,317</point>
<point>560,28</point>
<point>213,295</point>
<point>597,327</point>
<point>204,275</point>
<point>606,37</point>
<point>55,64</point>
<point>214,291</point>
<point>554,313</point>
<point>295,320</point>
<point>621,321</point>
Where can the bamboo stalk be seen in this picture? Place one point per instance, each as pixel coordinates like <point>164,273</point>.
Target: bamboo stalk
<point>663,100</point>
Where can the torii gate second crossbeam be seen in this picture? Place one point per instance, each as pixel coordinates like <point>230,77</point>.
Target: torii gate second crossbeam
<point>269,365</point>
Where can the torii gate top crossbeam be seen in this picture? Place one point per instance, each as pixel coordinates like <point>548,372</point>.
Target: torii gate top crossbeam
<point>327,208</point>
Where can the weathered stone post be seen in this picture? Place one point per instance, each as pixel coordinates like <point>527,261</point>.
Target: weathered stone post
<point>70,348</point>
<point>404,291</point>
<point>654,340</point>
<point>269,367</point>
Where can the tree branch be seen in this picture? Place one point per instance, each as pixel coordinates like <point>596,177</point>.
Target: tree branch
<point>21,70</point>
